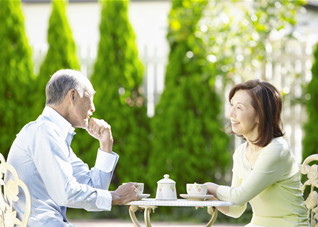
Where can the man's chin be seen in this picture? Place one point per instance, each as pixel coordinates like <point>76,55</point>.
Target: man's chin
<point>82,126</point>
<point>85,126</point>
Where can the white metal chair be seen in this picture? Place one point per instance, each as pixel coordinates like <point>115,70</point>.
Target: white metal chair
<point>9,192</point>
<point>311,201</point>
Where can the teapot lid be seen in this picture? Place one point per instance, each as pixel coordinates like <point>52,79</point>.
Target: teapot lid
<point>166,180</point>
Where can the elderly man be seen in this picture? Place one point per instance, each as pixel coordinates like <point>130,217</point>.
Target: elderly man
<point>44,160</point>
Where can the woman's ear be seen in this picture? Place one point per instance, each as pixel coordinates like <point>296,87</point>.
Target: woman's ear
<point>257,119</point>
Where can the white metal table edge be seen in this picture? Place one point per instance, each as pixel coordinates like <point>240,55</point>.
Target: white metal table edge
<point>180,203</point>
<point>150,204</point>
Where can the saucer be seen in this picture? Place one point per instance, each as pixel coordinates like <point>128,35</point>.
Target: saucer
<point>196,197</point>
<point>142,196</point>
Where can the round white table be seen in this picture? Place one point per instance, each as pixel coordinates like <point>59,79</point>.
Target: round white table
<point>151,204</point>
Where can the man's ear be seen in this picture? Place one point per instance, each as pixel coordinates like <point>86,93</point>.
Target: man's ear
<point>71,95</point>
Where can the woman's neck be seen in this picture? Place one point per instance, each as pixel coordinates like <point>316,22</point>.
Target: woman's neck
<point>252,147</point>
<point>252,153</point>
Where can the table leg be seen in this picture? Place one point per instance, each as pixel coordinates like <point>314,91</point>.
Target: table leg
<point>133,208</point>
<point>214,214</point>
<point>132,214</point>
<point>147,214</point>
<point>132,211</point>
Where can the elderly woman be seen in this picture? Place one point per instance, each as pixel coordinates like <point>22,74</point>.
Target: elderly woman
<point>265,173</point>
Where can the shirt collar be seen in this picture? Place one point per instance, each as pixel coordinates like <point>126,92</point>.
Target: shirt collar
<point>59,120</point>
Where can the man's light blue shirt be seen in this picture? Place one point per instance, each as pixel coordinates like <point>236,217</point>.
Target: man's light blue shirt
<point>55,176</point>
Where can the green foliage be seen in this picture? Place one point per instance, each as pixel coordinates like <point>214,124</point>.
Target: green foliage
<point>117,79</point>
<point>310,142</point>
<point>241,36</point>
<point>188,141</point>
<point>61,52</point>
<point>16,73</point>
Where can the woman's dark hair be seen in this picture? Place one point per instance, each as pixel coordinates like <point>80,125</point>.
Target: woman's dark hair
<point>267,102</point>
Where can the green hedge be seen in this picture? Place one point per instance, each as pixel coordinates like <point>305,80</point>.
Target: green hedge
<point>117,79</point>
<point>187,137</point>
<point>16,74</point>
<point>61,52</point>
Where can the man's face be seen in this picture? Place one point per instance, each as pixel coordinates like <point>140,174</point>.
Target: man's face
<point>83,108</point>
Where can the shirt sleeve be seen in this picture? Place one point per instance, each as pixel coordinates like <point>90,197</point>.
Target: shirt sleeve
<point>99,176</point>
<point>271,166</point>
<point>53,159</point>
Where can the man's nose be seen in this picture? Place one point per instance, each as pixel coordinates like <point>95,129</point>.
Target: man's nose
<point>93,108</point>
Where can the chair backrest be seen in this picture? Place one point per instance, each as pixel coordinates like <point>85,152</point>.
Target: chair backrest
<point>9,192</point>
<point>311,173</point>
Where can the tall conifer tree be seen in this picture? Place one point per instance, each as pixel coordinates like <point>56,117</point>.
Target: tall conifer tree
<point>117,78</point>
<point>188,141</point>
<point>16,73</point>
<point>310,141</point>
<point>61,51</point>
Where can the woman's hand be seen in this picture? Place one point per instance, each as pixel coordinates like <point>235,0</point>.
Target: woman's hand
<point>212,188</point>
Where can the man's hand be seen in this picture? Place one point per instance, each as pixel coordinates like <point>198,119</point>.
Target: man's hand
<point>100,130</point>
<point>124,194</point>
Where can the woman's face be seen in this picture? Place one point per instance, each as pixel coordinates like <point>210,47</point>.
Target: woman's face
<point>244,120</point>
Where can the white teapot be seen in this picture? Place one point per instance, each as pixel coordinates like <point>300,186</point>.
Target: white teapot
<point>166,189</point>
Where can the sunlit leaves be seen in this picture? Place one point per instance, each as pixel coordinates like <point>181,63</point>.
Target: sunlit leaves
<point>238,31</point>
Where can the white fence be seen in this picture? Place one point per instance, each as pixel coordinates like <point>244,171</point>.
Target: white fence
<point>287,69</point>
<point>290,70</point>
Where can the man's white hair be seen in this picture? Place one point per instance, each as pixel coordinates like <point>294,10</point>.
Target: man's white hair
<point>64,80</point>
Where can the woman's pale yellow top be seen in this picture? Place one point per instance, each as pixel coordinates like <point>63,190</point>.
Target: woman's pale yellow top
<point>272,187</point>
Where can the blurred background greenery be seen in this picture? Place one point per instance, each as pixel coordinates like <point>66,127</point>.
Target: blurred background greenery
<point>212,44</point>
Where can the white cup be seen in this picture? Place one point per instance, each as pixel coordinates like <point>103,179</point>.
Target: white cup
<point>197,189</point>
<point>139,187</point>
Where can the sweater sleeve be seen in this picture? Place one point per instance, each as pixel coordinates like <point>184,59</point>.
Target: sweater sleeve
<point>269,168</point>
<point>238,209</point>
